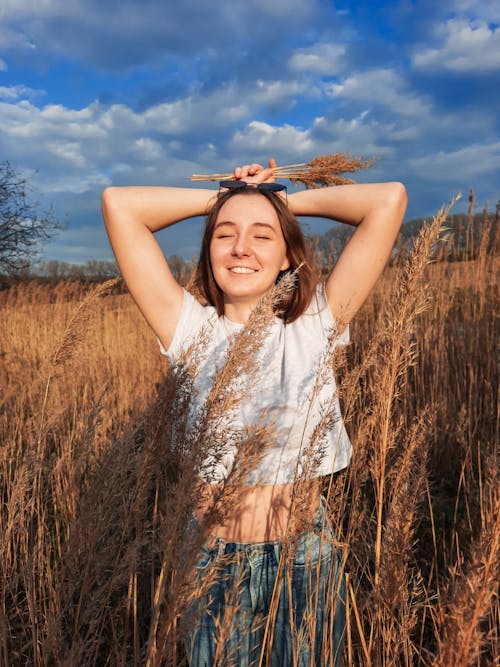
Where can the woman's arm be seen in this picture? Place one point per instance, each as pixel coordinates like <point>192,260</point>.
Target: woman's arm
<point>376,210</point>
<point>131,215</point>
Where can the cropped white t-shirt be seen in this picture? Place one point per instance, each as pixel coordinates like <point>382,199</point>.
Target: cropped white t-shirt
<point>288,391</point>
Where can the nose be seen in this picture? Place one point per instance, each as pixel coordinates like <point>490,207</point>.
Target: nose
<point>241,246</point>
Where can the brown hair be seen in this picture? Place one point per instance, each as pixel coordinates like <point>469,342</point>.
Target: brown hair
<point>295,303</point>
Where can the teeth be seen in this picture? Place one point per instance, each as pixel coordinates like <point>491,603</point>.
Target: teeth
<point>241,269</point>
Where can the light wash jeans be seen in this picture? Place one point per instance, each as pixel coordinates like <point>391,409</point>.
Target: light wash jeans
<point>226,626</point>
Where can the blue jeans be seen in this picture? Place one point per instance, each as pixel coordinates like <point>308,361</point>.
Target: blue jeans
<point>227,625</point>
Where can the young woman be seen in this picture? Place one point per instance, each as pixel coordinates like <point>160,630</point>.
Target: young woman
<point>251,238</point>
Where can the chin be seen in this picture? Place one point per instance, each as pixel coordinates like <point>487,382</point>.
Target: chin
<point>244,286</point>
<point>240,295</point>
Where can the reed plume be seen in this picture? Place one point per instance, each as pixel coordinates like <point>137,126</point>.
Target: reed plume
<point>471,592</point>
<point>321,171</point>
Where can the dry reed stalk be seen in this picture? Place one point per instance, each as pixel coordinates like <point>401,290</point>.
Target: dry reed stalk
<point>166,448</point>
<point>471,594</point>
<point>225,394</point>
<point>365,653</point>
<point>396,354</point>
<point>324,170</point>
<point>390,361</point>
<point>72,337</point>
<point>408,301</point>
<point>305,488</point>
<point>231,622</point>
<point>345,491</point>
<point>38,516</point>
<point>397,605</point>
<point>47,531</point>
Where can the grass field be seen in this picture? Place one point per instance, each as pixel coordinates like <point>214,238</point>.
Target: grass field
<point>95,492</point>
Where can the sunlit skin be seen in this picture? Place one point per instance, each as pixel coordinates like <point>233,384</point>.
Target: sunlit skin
<point>247,253</point>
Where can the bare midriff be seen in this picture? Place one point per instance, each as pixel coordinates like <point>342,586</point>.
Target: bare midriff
<point>262,513</point>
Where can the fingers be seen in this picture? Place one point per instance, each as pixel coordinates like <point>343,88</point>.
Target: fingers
<point>270,178</point>
<point>248,170</point>
<point>255,173</point>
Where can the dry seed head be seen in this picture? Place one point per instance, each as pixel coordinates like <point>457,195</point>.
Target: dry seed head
<point>326,170</point>
<point>321,171</point>
<point>76,328</point>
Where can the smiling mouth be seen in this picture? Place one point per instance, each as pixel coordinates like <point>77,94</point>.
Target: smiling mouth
<point>242,269</point>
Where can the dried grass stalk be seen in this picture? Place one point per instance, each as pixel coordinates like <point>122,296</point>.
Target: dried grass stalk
<point>471,595</point>
<point>322,171</point>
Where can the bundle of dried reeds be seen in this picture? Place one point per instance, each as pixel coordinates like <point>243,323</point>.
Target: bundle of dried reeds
<point>322,171</point>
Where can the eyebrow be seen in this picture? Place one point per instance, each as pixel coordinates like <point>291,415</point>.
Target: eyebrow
<point>253,224</point>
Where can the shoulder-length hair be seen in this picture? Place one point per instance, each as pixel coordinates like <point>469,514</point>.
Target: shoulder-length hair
<point>294,303</point>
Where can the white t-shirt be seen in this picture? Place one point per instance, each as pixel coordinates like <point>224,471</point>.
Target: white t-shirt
<point>288,393</point>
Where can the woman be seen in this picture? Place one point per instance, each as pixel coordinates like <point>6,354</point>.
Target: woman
<point>251,238</point>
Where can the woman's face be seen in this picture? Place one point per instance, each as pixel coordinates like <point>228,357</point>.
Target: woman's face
<point>247,250</point>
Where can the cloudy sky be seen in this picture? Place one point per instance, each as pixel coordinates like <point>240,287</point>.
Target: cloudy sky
<point>98,92</point>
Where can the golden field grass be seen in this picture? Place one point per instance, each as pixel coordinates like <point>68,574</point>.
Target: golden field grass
<point>96,491</point>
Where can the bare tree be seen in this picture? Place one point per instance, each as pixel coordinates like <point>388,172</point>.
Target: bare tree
<point>22,228</point>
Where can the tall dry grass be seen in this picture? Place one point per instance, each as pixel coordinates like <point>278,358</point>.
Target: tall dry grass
<point>98,474</point>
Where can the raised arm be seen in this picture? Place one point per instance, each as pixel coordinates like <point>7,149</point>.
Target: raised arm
<point>131,215</point>
<point>376,210</point>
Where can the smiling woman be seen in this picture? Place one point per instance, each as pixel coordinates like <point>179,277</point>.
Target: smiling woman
<point>252,238</point>
<point>253,232</point>
<point>247,252</point>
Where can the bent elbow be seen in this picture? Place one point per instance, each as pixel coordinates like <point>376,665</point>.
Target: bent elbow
<point>398,199</point>
<point>107,196</point>
<point>108,201</point>
<point>398,194</point>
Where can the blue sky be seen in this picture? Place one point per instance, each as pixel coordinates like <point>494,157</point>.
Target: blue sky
<point>102,92</point>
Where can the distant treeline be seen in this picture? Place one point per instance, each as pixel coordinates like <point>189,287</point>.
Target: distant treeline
<point>92,271</point>
<point>464,237</point>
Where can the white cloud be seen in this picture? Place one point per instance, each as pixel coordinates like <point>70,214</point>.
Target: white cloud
<point>74,149</point>
<point>478,9</point>
<point>361,136</point>
<point>135,33</point>
<point>272,93</point>
<point>469,163</point>
<point>19,92</point>
<point>224,105</point>
<point>269,140</point>
<point>273,57</point>
<point>149,149</point>
<point>14,38</point>
<point>381,86</point>
<point>323,59</point>
<point>465,47</point>
<point>81,150</point>
<point>68,151</point>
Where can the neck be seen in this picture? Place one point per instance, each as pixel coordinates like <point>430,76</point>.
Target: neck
<point>238,311</point>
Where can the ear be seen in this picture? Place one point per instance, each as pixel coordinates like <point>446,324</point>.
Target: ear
<point>286,264</point>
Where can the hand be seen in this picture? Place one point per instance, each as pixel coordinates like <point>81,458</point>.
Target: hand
<point>256,173</point>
